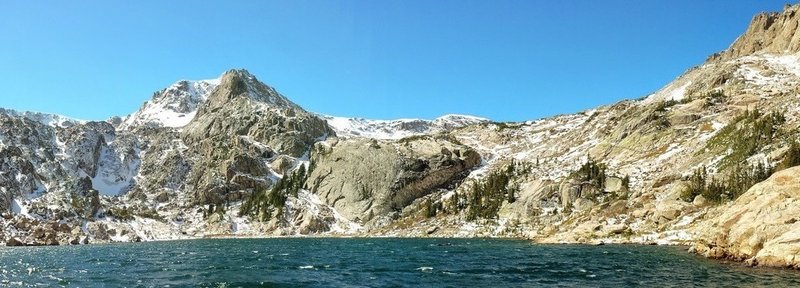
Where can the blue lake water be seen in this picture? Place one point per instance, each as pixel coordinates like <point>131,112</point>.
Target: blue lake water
<point>341,262</point>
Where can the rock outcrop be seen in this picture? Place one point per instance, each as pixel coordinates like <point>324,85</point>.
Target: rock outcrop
<point>761,227</point>
<point>364,178</point>
<point>773,32</point>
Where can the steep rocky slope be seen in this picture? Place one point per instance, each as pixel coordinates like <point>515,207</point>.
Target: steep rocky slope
<point>232,156</point>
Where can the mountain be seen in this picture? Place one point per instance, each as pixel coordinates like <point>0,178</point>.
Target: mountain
<point>401,128</point>
<point>232,156</point>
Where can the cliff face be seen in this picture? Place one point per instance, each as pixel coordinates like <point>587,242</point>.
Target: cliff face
<point>774,32</point>
<point>370,181</point>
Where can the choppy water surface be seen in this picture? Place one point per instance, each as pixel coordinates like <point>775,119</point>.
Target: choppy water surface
<point>373,262</point>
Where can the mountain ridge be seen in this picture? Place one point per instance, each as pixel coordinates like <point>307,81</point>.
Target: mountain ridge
<point>252,163</point>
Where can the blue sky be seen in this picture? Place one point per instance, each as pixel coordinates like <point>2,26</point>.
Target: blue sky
<point>505,60</point>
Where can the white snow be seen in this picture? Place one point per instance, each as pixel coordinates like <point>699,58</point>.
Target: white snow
<point>674,91</point>
<point>19,208</point>
<point>313,204</point>
<point>671,150</point>
<point>679,93</point>
<point>768,72</point>
<point>716,126</point>
<point>174,106</point>
<point>115,174</point>
<point>790,63</point>
<point>399,128</point>
<point>49,119</point>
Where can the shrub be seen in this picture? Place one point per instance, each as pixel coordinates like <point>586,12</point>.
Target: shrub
<point>663,105</point>
<point>714,98</point>
<point>431,208</point>
<point>120,213</point>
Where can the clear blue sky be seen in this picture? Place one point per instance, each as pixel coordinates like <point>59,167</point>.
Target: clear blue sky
<point>506,60</point>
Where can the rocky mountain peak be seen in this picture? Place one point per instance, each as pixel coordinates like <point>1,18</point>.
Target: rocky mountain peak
<point>176,105</point>
<point>240,83</point>
<point>242,105</point>
<point>773,33</point>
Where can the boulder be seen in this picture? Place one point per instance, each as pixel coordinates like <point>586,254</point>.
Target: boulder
<point>700,201</point>
<point>613,184</point>
<point>14,241</point>
<point>38,233</point>
<point>50,239</point>
<point>62,228</point>
<point>582,204</point>
<point>98,230</point>
<point>679,118</point>
<point>432,230</point>
<point>667,210</point>
<point>281,164</point>
<point>615,229</point>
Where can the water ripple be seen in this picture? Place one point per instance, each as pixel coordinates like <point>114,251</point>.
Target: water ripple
<point>326,262</point>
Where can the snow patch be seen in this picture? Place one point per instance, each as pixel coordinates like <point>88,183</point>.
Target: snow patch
<point>400,128</point>
<point>174,106</point>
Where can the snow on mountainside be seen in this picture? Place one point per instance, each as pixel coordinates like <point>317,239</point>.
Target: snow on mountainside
<point>762,71</point>
<point>400,128</point>
<point>172,107</point>
<point>52,120</point>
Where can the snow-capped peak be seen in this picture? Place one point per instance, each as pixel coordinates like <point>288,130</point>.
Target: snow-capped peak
<point>172,107</point>
<point>399,128</point>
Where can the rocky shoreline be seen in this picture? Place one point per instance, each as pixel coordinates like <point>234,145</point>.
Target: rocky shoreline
<point>53,233</point>
<point>32,232</point>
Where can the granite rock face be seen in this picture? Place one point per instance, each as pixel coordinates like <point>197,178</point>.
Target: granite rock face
<point>364,178</point>
<point>773,32</point>
<point>761,227</point>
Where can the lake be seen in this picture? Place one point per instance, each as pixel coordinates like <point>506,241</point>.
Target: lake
<point>371,262</point>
